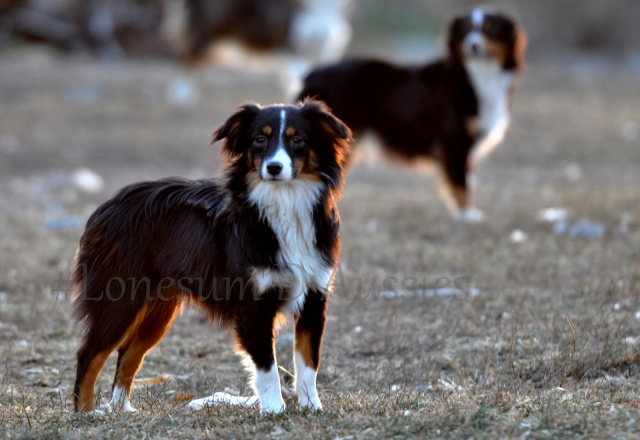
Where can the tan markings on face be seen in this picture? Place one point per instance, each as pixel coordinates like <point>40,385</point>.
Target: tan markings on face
<point>252,179</point>
<point>267,130</point>
<point>253,162</point>
<point>460,52</point>
<point>257,163</point>
<point>308,168</point>
<point>290,131</point>
<point>472,126</point>
<point>497,50</point>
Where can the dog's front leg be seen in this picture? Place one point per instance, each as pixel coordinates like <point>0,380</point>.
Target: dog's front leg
<point>255,332</point>
<point>308,342</point>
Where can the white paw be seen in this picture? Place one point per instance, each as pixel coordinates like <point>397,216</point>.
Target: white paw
<point>272,404</point>
<point>310,401</point>
<point>470,215</point>
<point>120,400</point>
<point>305,381</point>
<point>267,385</point>
<point>128,407</point>
<point>111,407</point>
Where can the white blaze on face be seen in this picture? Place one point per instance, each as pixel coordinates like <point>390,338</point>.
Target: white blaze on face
<point>474,43</point>
<point>279,165</point>
<point>477,17</point>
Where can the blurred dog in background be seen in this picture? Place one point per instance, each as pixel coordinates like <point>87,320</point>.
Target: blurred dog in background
<point>313,31</point>
<point>452,111</point>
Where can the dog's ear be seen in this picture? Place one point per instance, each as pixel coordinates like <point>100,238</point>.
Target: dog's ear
<point>454,36</point>
<point>234,129</point>
<point>515,58</point>
<point>318,112</point>
<point>330,129</point>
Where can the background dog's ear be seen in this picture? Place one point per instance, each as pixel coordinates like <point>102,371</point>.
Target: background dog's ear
<point>234,128</point>
<point>515,58</point>
<point>454,37</point>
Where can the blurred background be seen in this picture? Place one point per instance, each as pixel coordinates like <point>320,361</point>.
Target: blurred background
<point>95,94</point>
<point>143,27</point>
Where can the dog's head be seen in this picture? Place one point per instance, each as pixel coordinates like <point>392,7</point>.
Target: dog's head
<point>488,34</point>
<point>281,143</point>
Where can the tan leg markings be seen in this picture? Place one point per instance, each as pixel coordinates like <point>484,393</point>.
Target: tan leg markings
<point>87,389</point>
<point>303,346</point>
<point>157,321</point>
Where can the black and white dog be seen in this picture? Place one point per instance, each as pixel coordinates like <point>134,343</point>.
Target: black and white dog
<point>451,112</point>
<point>261,243</point>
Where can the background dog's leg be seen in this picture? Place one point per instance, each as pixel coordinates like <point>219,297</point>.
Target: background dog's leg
<point>306,353</point>
<point>255,333</point>
<point>454,186</point>
<point>157,320</point>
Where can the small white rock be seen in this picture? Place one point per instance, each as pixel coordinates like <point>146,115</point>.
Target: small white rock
<point>630,130</point>
<point>573,172</point>
<point>180,91</point>
<point>553,214</point>
<point>587,229</point>
<point>518,236</point>
<point>87,180</point>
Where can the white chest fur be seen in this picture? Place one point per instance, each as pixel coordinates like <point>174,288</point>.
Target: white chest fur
<point>288,208</point>
<point>492,86</point>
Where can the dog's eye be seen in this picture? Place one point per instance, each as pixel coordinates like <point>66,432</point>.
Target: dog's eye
<point>297,142</point>
<point>260,143</point>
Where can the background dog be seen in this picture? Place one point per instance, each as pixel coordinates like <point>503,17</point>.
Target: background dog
<point>262,242</point>
<point>452,111</point>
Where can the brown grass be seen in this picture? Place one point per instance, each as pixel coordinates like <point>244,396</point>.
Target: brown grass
<point>548,349</point>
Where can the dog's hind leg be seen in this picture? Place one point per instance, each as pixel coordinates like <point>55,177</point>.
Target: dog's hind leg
<point>158,317</point>
<point>90,363</point>
<point>105,335</point>
<point>309,328</point>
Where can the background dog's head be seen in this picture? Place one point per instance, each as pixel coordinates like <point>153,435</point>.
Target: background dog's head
<point>281,143</point>
<point>488,34</point>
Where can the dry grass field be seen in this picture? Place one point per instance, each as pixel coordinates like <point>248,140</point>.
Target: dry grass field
<point>542,341</point>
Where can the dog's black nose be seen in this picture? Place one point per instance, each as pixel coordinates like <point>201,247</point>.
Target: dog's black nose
<point>475,48</point>
<point>274,168</point>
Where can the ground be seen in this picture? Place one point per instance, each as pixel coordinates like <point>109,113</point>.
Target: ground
<point>534,334</point>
